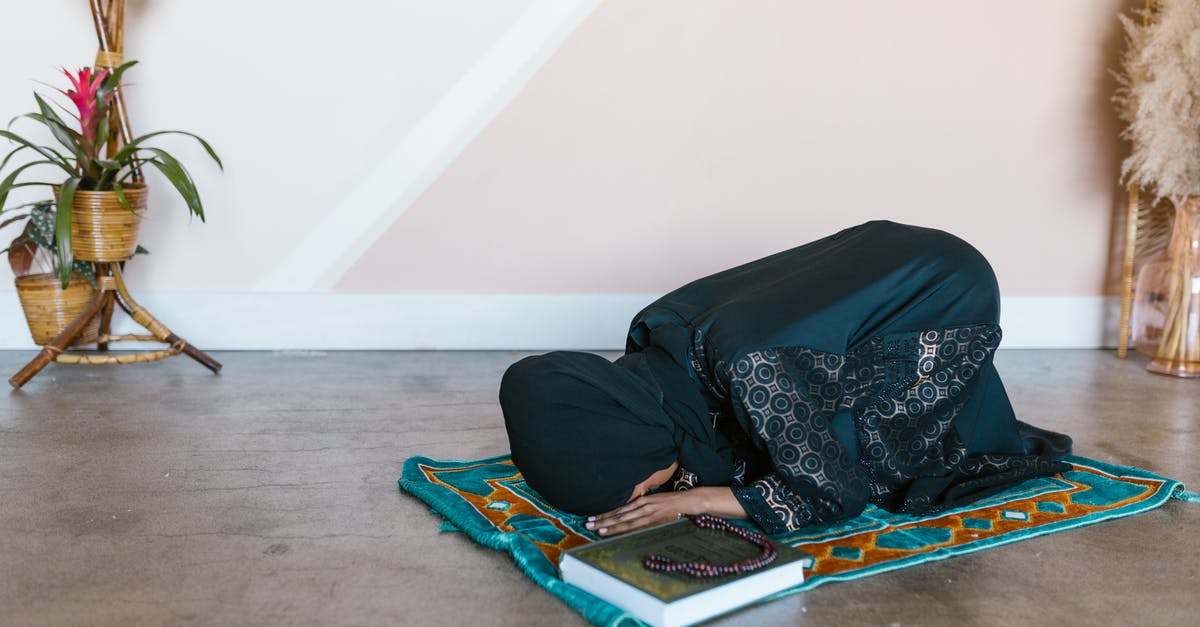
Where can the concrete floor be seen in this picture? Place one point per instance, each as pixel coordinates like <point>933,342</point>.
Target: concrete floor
<point>160,494</point>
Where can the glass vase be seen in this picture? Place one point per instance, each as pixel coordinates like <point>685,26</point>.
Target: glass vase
<point>1166,309</point>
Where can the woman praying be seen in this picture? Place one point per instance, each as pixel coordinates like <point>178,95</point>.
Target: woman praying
<point>793,390</point>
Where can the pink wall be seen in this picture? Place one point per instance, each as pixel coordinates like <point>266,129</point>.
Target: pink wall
<point>664,140</point>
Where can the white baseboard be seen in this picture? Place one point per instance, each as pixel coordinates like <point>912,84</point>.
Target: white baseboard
<point>1060,321</point>
<point>333,321</point>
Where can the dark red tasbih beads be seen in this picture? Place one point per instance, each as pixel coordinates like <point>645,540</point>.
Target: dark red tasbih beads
<point>664,564</point>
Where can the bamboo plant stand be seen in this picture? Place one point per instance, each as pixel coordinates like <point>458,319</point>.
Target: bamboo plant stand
<point>111,293</point>
<point>108,16</point>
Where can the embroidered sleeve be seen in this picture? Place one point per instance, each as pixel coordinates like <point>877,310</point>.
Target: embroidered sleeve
<point>815,479</point>
<point>773,506</point>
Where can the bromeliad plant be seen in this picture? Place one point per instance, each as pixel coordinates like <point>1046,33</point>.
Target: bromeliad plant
<point>86,158</point>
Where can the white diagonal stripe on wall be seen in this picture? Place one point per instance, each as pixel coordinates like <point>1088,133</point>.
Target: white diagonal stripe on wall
<point>336,242</point>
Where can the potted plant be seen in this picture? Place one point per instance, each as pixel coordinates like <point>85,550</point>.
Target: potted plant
<point>1159,100</point>
<point>48,305</point>
<point>99,204</point>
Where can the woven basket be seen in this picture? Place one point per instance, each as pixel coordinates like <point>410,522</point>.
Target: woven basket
<point>49,308</point>
<point>102,229</point>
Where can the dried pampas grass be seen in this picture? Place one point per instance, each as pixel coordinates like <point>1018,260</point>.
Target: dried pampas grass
<point>1159,99</point>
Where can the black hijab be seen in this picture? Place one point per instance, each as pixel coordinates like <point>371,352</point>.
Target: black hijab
<point>584,431</point>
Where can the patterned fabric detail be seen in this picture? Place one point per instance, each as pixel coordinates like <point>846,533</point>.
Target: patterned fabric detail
<point>903,392</point>
<point>773,505</point>
<point>684,479</point>
<point>696,355</point>
<point>792,418</point>
<point>907,432</point>
<point>739,473</point>
<point>997,471</point>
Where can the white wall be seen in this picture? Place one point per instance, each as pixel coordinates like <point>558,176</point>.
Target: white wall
<point>398,174</point>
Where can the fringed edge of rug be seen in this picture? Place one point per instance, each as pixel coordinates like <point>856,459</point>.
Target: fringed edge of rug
<point>528,557</point>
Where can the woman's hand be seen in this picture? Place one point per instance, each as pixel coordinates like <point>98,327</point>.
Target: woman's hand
<point>653,509</point>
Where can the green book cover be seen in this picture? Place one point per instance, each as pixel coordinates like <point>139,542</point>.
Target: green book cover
<point>681,541</point>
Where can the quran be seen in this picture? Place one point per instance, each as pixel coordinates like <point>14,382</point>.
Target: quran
<point>613,570</point>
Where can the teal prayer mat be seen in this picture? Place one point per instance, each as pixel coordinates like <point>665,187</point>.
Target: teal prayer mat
<point>488,500</point>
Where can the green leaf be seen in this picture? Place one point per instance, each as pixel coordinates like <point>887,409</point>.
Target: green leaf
<point>48,112</point>
<point>63,133</point>
<point>36,203</point>
<point>18,208</point>
<point>120,193</point>
<point>47,152</point>
<point>141,251</point>
<point>137,142</point>
<point>10,181</point>
<point>62,229</point>
<point>36,117</point>
<point>10,156</point>
<point>112,83</point>
<point>114,77</point>
<point>63,108</point>
<point>41,227</point>
<point>27,205</point>
<point>16,218</point>
<point>179,177</point>
<point>87,270</point>
<point>102,131</point>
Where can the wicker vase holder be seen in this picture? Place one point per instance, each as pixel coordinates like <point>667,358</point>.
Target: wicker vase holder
<point>49,308</point>
<point>103,229</point>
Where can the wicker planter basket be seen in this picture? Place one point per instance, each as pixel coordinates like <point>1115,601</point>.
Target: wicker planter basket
<point>102,229</point>
<point>49,308</point>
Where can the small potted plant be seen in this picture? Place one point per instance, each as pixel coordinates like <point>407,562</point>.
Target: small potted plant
<point>33,257</point>
<point>99,204</point>
<point>1159,100</point>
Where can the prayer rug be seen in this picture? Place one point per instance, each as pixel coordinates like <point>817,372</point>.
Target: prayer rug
<point>489,501</point>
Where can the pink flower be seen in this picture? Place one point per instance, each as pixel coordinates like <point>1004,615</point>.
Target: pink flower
<point>85,95</point>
